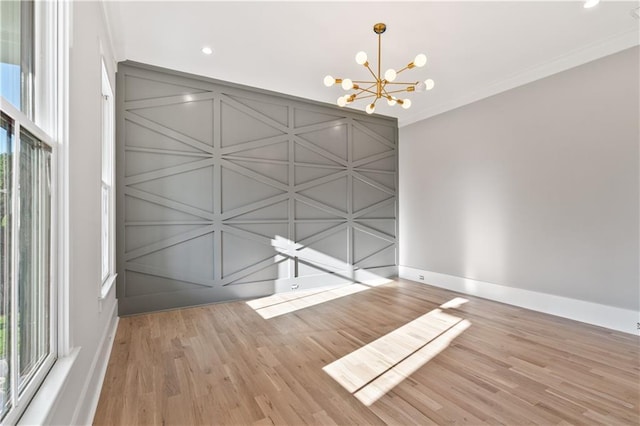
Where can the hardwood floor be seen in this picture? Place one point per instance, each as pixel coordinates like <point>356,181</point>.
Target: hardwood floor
<point>226,364</point>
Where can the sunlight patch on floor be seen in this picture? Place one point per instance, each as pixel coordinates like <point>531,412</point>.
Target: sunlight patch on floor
<point>285,303</point>
<point>394,376</point>
<point>372,370</point>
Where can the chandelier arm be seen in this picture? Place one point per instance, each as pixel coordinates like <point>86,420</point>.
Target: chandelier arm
<point>373,83</point>
<point>377,77</point>
<point>370,93</point>
<point>367,89</point>
<point>365,97</point>
<point>397,91</point>
<point>408,83</point>
<point>402,69</point>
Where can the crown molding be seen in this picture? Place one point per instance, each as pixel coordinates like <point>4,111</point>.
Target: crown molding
<point>608,46</point>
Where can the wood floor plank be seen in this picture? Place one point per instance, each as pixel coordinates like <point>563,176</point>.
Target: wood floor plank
<point>226,364</point>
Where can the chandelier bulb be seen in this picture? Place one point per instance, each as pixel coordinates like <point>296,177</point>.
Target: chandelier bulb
<point>406,103</point>
<point>342,101</point>
<point>391,101</point>
<point>420,60</point>
<point>429,84</point>
<point>390,74</point>
<point>347,84</point>
<point>329,81</point>
<point>370,108</point>
<point>361,58</point>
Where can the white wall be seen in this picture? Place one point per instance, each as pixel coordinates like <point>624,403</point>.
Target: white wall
<point>91,321</point>
<point>535,188</point>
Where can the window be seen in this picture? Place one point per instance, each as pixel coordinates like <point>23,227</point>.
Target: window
<point>17,54</point>
<point>107,225</point>
<point>27,297</point>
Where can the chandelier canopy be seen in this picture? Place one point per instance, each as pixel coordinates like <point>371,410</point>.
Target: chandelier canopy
<point>383,86</point>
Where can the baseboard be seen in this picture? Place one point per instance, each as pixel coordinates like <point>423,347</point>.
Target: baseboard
<point>88,399</point>
<point>619,319</point>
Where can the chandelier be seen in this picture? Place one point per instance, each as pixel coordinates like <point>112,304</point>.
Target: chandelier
<point>383,86</point>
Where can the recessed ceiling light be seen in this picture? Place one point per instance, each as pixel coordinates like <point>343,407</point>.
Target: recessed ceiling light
<point>207,50</point>
<point>588,4</point>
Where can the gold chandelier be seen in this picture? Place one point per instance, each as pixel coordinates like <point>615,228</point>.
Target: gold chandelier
<point>383,86</point>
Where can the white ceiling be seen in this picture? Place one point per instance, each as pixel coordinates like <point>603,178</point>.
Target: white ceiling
<point>475,49</point>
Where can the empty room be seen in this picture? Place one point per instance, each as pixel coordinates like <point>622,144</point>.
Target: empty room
<point>329,213</point>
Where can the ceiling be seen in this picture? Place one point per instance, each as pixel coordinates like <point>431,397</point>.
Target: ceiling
<point>474,49</point>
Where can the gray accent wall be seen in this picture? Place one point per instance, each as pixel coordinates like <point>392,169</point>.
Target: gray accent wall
<point>228,192</point>
<point>535,188</point>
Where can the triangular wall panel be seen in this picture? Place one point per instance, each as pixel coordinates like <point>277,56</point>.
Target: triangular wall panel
<point>238,126</point>
<point>272,110</point>
<point>137,88</point>
<point>192,119</point>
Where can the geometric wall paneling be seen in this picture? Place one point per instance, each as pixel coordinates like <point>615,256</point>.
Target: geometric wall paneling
<point>146,161</point>
<point>303,117</point>
<point>267,230</point>
<point>274,271</point>
<point>304,174</point>
<point>173,187</point>
<point>328,249</point>
<point>274,111</point>
<point>143,235</point>
<point>271,170</point>
<point>228,192</point>
<point>166,202</point>
<point>168,132</point>
<point>192,119</point>
<point>263,211</point>
<point>310,155</point>
<point>331,193</point>
<point>387,179</point>
<point>278,151</point>
<point>240,253</point>
<point>187,258</point>
<point>366,195</point>
<point>310,210</point>
<point>138,88</point>
<point>386,163</point>
<point>332,139</point>
<point>378,130</point>
<point>383,257</point>
<point>139,136</point>
<point>304,230</point>
<point>364,145</point>
<point>139,210</point>
<point>242,124</point>
<point>239,190</point>
<point>382,210</point>
<point>366,243</point>
<point>386,226</point>
<point>139,284</point>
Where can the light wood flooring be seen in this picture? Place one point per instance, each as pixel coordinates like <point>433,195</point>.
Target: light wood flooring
<point>226,364</point>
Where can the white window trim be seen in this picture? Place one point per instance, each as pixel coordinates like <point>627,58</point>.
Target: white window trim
<point>109,279</point>
<point>56,53</point>
<point>21,401</point>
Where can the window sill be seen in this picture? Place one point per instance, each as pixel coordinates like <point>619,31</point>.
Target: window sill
<point>45,399</point>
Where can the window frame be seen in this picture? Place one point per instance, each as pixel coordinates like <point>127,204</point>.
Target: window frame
<point>107,179</point>
<point>46,120</point>
<point>22,396</point>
